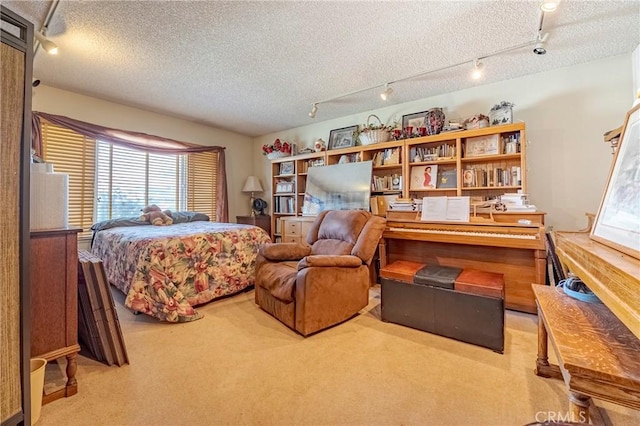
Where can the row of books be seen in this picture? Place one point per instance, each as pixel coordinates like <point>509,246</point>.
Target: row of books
<point>391,182</point>
<point>419,153</point>
<point>487,176</point>
<point>386,157</point>
<point>98,324</point>
<point>511,144</point>
<point>284,204</point>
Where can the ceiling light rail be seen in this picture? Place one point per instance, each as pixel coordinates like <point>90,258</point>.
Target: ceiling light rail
<point>539,43</point>
<point>387,89</point>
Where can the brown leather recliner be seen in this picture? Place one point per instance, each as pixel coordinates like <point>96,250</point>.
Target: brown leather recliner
<point>312,287</point>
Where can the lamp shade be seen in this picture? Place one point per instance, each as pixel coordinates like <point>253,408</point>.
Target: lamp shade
<point>252,185</point>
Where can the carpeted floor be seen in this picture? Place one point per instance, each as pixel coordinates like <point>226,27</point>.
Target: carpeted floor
<point>239,366</point>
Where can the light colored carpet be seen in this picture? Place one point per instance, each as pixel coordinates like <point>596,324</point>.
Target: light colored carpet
<point>239,365</point>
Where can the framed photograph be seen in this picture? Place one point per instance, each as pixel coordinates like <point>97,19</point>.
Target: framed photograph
<point>284,186</point>
<point>423,177</point>
<point>482,145</point>
<point>286,168</point>
<point>617,223</point>
<point>342,138</point>
<point>415,120</point>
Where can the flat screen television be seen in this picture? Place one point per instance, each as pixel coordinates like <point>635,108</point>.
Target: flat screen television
<point>338,187</point>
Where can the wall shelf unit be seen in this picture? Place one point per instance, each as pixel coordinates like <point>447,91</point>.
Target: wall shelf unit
<point>479,163</point>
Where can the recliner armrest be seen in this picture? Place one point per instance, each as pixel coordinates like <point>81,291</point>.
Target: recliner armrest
<point>343,261</point>
<point>285,251</point>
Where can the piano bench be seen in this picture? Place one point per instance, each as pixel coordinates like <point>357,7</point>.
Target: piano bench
<point>473,314</point>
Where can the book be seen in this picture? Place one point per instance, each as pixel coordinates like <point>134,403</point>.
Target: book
<point>447,178</point>
<point>423,177</point>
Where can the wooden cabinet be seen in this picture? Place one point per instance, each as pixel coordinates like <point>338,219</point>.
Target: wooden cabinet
<point>295,229</point>
<point>16,59</point>
<point>54,301</point>
<point>263,221</point>
<point>480,163</point>
<point>288,184</point>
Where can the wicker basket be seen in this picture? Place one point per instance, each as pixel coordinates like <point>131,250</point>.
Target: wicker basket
<point>369,137</point>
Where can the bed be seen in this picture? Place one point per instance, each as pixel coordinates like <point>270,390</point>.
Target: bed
<point>165,271</point>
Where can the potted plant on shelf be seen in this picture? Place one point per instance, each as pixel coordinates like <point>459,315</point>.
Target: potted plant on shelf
<point>371,133</point>
<point>277,149</point>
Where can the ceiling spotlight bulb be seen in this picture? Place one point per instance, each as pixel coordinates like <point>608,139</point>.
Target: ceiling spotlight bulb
<point>387,92</point>
<point>549,5</point>
<point>541,42</point>
<point>477,69</point>
<point>49,46</point>
<point>313,111</point>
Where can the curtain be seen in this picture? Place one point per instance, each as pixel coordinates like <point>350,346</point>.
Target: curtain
<point>140,141</point>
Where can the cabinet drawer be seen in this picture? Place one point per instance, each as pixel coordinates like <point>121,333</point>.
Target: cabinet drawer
<point>292,227</point>
<point>291,239</point>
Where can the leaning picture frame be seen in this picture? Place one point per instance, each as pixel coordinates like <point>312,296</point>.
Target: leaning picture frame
<point>415,120</point>
<point>617,224</point>
<point>286,168</point>
<point>343,138</point>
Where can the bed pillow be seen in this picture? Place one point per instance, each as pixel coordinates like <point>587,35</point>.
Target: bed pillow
<point>182,217</point>
<point>121,221</point>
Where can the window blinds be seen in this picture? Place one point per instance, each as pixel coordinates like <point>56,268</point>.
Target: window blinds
<point>108,181</point>
<point>73,154</point>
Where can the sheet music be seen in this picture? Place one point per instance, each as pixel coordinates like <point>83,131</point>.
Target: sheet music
<point>445,209</point>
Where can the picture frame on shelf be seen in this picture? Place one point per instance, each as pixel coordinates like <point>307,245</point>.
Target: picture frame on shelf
<point>616,223</point>
<point>423,177</point>
<point>415,120</point>
<point>447,178</point>
<point>286,168</point>
<point>284,187</point>
<point>343,137</point>
<point>481,146</point>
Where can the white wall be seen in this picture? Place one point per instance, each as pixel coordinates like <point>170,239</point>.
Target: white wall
<point>238,147</point>
<point>566,111</point>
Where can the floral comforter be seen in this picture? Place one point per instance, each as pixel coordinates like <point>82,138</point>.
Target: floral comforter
<point>165,271</point>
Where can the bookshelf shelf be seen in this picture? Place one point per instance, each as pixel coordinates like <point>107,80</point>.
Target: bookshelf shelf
<point>504,163</point>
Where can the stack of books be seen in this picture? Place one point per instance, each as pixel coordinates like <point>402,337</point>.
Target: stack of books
<point>98,324</point>
<point>403,205</point>
<point>517,202</point>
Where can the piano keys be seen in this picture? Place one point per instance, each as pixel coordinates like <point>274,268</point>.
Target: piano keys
<point>516,250</point>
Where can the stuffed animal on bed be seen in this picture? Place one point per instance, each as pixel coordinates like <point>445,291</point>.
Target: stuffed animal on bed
<point>155,216</point>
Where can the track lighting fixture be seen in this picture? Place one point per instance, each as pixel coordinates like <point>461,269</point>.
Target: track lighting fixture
<point>313,111</point>
<point>387,91</point>
<point>541,42</point>
<point>549,5</point>
<point>49,46</point>
<point>477,69</point>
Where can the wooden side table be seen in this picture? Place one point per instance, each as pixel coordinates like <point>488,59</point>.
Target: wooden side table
<point>54,301</point>
<point>263,221</point>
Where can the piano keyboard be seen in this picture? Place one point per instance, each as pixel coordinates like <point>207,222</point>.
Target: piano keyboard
<point>465,233</point>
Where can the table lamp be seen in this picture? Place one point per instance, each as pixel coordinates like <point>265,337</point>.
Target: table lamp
<point>252,185</point>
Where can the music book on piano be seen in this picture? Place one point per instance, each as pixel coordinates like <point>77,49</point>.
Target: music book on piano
<point>445,209</point>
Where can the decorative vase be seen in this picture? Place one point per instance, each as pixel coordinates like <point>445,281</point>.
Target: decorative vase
<point>434,121</point>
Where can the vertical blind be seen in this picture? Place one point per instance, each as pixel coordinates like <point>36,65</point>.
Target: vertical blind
<point>108,181</point>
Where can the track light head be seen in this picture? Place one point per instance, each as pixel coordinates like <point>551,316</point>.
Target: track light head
<point>549,5</point>
<point>477,69</point>
<point>313,111</point>
<point>49,46</point>
<point>387,92</point>
<point>541,44</point>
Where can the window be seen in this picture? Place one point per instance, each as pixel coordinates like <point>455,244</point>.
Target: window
<point>109,181</point>
<point>127,179</point>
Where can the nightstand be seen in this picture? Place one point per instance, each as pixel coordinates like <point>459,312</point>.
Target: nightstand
<point>263,221</point>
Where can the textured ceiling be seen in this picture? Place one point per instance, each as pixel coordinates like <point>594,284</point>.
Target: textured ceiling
<point>257,67</point>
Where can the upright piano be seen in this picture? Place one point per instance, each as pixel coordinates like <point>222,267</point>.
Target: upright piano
<point>503,245</point>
